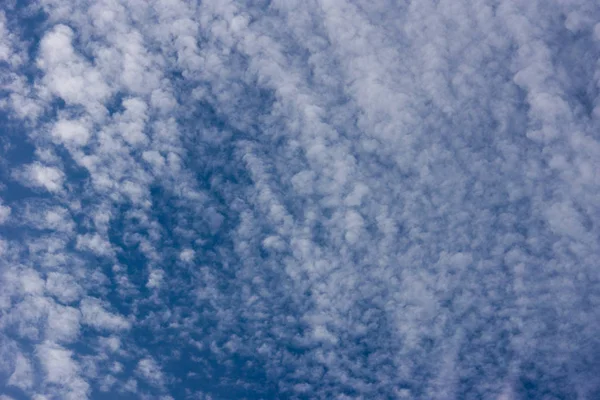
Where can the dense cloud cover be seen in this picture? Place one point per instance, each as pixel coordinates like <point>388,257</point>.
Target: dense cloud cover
<point>311,199</point>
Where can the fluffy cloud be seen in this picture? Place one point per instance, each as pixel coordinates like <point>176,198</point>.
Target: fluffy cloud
<point>63,324</point>
<point>95,243</point>
<point>22,376</point>
<point>71,132</point>
<point>61,370</point>
<point>4,213</point>
<point>68,75</point>
<point>63,286</point>
<point>96,316</point>
<point>42,176</point>
<point>150,371</point>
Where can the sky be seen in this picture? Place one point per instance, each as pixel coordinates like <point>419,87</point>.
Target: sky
<point>299,199</point>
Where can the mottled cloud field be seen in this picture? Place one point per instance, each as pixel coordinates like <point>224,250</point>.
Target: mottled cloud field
<point>311,199</point>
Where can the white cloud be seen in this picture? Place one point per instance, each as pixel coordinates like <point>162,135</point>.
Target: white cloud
<point>155,279</point>
<point>187,255</point>
<point>563,218</point>
<point>130,386</point>
<point>41,216</point>
<point>95,315</point>
<point>9,44</point>
<point>58,219</point>
<point>150,371</point>
<point>62,324</point>
<point>5,212</point>
<point>22,376</point>
<point>132,122</point>
<point>31,282</point>
<point>95,243</point>
<point>63,286</point>
<point>321,333</point>
<point>113,343</point>
<point>3,247</point>
<point>71,132</point>
<point>134,191</point>
<point>60,369</point>
<point>42,176</point>
<point>69,76</point>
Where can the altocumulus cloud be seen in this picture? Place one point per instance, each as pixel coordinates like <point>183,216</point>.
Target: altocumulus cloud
<point>316,199</point>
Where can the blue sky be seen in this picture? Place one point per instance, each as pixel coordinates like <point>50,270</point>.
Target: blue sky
<point>299,199</point>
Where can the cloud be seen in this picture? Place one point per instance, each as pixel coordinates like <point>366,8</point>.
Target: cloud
<point>5,212</point>
<point>61,370</point>
<point>42,216</point>
<point>38,175</point>
<point>113,343</point>
<point>148,369</point>
<point>71,132</point>
<point>68,75</point>
<point>187,255</point>
<point>9,50</point>
<point>63,324</point>
<point>31,282</point>
<point>22,376</point>
<point>95,315</point>
<point>155,279</point>
<point>323,199</point>
<point>95,243</point>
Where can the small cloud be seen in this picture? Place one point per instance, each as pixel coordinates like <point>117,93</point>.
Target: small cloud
<point>187,255</point>
<point>150,371</point>
<point>42,176</point>
<point>60,369</point>
<point>95,243</point>
<point>155,279</point>
<point>22,376</point>
<point>5,212</point>
<point>62,324</point>
<point>31,283</point>
<point>71,132</point>
<point>95,315</point>
<point>116,367</point>
<point>322,334</point>
<point>63,287</point>
<point>112,343</point>
<point>130,386</point>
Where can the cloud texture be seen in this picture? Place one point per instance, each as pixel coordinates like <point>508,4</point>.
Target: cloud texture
<point>320,199</point>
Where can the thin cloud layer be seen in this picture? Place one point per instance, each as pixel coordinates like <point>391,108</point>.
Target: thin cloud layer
<point>300,199</point>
